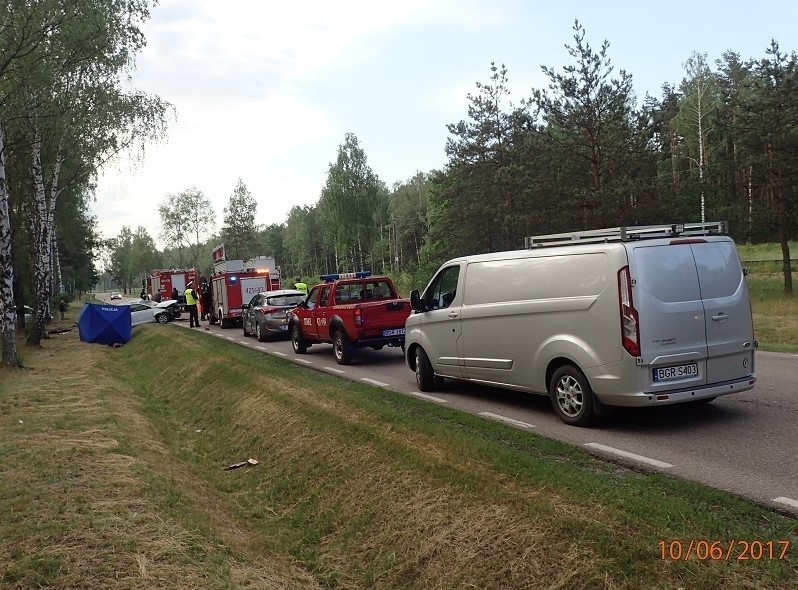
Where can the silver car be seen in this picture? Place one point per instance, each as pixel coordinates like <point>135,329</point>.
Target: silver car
<point>142,312</point>
<point>266,314</point>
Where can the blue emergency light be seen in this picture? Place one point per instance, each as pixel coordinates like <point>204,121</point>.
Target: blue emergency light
<point>233,279</point>
<point>363,274</point>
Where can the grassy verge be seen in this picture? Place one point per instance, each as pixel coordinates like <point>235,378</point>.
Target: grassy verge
<point>775,314</point>
<point>113,477</point>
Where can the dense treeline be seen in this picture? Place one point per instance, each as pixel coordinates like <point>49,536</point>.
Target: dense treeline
<point>63,113</point>
<point>583,152</point>
<point>578,154</point>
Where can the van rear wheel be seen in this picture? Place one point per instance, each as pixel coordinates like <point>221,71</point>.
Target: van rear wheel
<point>571,396</point>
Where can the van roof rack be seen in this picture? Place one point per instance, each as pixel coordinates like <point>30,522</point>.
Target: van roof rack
<point>628,233</point>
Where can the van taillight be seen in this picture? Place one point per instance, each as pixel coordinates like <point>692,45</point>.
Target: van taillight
<point>630,325</point>
<point>358,317</point>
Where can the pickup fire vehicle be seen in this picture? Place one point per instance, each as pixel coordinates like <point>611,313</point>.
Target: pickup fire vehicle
<point>235,282</point>
<point>350,310</point>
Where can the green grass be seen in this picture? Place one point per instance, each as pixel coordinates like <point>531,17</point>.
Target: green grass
<point>769,251</point>
<point>116,479</point>
<point>775,314</point>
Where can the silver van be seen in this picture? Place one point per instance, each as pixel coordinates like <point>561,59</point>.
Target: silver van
<point>627,316</point>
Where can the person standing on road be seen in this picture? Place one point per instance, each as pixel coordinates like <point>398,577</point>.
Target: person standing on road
<point>301,286</point>
<point>191,305</point>
<point>206,301</point>
<point>62,308</point>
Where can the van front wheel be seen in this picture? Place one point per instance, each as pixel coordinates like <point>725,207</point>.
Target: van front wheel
<point>425,377</point>
<point>571,396</point>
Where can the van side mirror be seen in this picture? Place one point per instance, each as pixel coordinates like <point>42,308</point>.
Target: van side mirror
<point>303,303</point>
<point>416,302</point>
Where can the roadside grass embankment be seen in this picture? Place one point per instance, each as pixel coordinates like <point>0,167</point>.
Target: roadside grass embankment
<point>775,314</point>
<point>113,476</point>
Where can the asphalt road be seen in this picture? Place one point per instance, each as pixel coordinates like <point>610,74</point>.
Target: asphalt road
<point>743,443</point>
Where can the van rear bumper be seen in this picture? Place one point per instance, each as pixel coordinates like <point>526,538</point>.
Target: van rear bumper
<point>677,396</point>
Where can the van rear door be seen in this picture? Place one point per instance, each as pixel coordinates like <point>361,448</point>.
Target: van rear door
<point>667,296</point>
<point>727,309</point>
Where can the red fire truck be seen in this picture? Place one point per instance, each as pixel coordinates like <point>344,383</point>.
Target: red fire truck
<point>164,281</point>
<point>234,282</point>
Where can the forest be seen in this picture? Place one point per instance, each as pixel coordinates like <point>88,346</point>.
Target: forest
<point>582,153</point>
<point>722,144</point>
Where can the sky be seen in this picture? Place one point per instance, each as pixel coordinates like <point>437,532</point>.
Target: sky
<point>265,91</point>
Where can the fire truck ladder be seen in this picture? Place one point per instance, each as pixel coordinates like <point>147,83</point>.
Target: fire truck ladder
<point>628,233</point>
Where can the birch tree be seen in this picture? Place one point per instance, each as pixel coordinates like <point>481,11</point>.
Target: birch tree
<point>9,357</point>
<point>350,194</point>
<point>697,114</point>
<point>74,114</point>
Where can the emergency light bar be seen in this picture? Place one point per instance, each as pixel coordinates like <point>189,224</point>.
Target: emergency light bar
<point>346,275</point>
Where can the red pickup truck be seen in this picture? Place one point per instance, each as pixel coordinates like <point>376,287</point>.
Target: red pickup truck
<point>351,310</point>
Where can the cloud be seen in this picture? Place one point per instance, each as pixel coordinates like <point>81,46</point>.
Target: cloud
<point>251,84</point>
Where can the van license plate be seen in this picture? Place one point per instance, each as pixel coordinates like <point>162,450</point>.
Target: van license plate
<point>397,332</point>
<point>668,373</point>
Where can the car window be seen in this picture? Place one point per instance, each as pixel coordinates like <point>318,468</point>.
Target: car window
<point>442,289</point>
<point>254,302</point>
<point>325,295</point>
<point>313,298</point>
<point>349,293</point>
<point>285,300</point>
<point>381,290</point>
<point>138,307</point>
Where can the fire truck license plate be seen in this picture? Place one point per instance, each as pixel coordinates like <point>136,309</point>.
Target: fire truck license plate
<point>668,373</point>
<point>396,332</point>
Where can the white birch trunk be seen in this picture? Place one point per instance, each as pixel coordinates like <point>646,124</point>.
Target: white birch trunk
<point>59,279</point>
<point>701,156</point>
<point>9,356</point>
<point>750,202</point>
<point>43,222</point>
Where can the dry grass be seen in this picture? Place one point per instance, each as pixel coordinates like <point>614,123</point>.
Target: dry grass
<point>115,479</point>
<point>80,501</point>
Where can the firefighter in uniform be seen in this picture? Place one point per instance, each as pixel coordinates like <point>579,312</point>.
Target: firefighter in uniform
<point>191,305</point>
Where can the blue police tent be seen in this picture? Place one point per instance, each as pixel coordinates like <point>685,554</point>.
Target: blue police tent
<point>104,323</point>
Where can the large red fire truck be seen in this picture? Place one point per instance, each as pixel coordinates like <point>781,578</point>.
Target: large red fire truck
<point>234,283</point>
<point>164,281</point>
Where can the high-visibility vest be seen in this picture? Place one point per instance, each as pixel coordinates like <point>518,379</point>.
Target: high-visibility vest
<point>301,287</point>
<point>190,298</point>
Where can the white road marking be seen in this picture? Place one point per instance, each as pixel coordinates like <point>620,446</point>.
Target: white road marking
<point>628,455</point>
<point>306,361</point>
<point>339,371</point>
<point>374,382</point>
<point>278,353</point>
<point>506,420</point>
<point>431,398</point>
<point>787,501</point>
<point>231,339</point>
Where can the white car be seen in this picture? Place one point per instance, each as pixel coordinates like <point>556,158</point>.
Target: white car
<point>116,295</point>
<point>143,312</point>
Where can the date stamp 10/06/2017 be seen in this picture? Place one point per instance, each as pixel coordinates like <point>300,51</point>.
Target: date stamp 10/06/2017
<point>717,550</point>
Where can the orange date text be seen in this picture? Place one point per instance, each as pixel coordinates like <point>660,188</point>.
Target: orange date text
<point>716,550</point>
